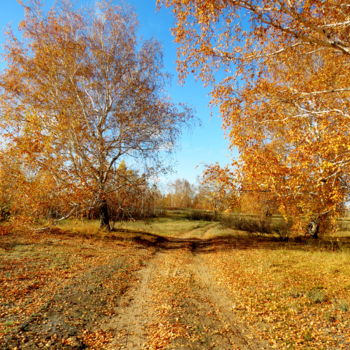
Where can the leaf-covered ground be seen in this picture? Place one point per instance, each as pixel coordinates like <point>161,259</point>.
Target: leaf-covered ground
<point>295,299</point>
<point>194,289</point>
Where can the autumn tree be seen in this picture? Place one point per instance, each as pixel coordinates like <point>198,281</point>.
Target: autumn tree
<point>135,196</point>
<point>7,185</point>
<point>181,193</point>
<point>284,97</point>
<point>79,94</point>
<point>216,191</point>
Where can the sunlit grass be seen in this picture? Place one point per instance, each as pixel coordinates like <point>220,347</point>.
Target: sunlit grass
<point>159,226</point>
<point>295,298</point>
<point>165,226</point>
<point>88,227</point>
<point>162,226</point>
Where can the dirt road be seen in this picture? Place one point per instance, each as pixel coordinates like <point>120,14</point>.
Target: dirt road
<point>177,305</point>
<point>162,296</point>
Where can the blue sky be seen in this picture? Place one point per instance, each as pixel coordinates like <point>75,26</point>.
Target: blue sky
<point>201,145</point>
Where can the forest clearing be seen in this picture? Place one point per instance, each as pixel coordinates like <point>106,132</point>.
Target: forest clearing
<point>193,285</point>
<point>109,239</point>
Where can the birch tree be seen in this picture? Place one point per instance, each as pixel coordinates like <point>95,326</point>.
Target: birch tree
<point>80,93</point>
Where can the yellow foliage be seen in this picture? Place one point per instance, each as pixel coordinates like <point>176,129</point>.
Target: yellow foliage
<point>286,104</point>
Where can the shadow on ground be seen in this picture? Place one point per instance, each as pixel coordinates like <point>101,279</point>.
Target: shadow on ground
<point>217,243</point>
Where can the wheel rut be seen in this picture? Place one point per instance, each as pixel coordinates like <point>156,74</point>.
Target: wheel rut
<point>176,304</point>
<point>134,313</point>
<point>238,334</point>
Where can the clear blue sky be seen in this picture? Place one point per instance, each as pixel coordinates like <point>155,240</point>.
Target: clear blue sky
<point>204,144</point>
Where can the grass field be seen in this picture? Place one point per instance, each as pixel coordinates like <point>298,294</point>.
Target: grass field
<point>200,285</point>
<point>162,226</point>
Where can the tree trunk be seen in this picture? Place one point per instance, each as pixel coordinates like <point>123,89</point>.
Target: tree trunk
<point>313,228</point>
<point>104,215</point>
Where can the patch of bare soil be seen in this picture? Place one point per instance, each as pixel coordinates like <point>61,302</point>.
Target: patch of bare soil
<point>134,313</point>
<point>71,316</point>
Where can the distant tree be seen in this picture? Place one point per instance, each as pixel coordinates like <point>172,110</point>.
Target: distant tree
<point>181,194</point>
<point>79,94</point>
<point>216,191</point>
<point>132,196</point>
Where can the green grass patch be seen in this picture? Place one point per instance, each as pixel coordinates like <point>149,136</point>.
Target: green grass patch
<point>164,226</point>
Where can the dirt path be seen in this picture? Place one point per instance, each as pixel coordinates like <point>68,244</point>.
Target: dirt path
<point>134,313</point>
<point>239,335</point>
<point>176,304</point>
<point>200,232</point>
<point>71,317</point>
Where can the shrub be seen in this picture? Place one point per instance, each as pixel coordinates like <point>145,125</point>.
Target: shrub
<point>254,223</point>
<point>316,295</point>
<point>202,215</point>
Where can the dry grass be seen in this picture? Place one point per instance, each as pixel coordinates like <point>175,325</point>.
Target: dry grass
<point>84,227</point>
<point>161,226</point>
<point>293,298</point>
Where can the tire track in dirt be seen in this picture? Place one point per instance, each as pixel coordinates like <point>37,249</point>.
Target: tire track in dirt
<point>135,312</point>
<point>239,335</point>
<point>199,232</point>
<point>177,305</point>
<point>143,320</point>
<point>201,314</point>
<point>71,317</point>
